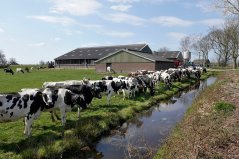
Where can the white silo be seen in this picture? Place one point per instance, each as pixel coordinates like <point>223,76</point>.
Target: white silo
<point>186,56</point>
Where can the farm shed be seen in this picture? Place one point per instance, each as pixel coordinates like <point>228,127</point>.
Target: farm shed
<point>176,56</point>
<point>200,62</point>
<point>131,61</point>
<point>86,57</point>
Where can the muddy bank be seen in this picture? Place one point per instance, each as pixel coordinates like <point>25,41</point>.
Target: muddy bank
<point>206,132</point>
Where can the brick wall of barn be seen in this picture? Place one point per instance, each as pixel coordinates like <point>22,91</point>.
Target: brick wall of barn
<point>75,66</point>
<point>163,65</point>
<point>126,67</point>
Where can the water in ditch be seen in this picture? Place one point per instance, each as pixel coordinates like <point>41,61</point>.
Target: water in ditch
<point>144,134</point>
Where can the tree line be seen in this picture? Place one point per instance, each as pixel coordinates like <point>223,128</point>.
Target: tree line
<point>222,41</point>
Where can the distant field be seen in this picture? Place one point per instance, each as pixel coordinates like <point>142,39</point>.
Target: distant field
<point>35,79</point>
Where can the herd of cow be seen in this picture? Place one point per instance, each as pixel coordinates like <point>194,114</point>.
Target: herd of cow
<point>64,95</point>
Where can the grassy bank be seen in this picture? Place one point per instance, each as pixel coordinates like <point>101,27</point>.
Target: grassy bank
<point>50,140</point>
<point>210,127</point>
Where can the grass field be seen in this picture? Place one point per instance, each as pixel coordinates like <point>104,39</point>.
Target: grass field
<point>51,140</point>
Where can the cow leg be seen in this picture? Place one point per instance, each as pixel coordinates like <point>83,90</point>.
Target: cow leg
<point>123,90</point>
<point>109,96</point>
<point>52,116</point>
<point>28,124</point>
<point>78,113</point>
<point>63,116</point>
<point>56,115</point>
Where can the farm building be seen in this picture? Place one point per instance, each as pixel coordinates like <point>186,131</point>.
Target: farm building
<point>176,56</point>
<point>86,57</point>
<point>125,60</point>
<point>200,62</point>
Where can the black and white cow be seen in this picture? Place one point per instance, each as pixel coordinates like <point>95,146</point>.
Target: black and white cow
<point>65,100</point>
<point>19,70</point>
<point>87,89</point>
<point>8,70</point>
<point>26,104</point>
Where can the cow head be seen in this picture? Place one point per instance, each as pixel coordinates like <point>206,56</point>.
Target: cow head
<point>50,97</point>
<point>96,92</point>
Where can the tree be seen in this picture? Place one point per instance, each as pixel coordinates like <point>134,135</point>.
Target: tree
<point>229,7</point>
<point>163,49</point>
<point>232,28</point>
<point>3,60</point>
<point>220,44</point>
<point>41,63</point>
<point>185,43</point>
<point>13,61</point>
<point>203,47</point>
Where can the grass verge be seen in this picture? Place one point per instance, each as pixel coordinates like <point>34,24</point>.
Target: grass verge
<point>210,127</point>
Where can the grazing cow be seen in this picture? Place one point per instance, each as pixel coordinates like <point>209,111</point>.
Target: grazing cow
<point>88,89</point>
<point>28,103</point>
<point>113,86</point>
<point>19,70</point>
<point>27,69</point>
<point>8,70</point>
<point>166,78</point>
<point>65,100</point>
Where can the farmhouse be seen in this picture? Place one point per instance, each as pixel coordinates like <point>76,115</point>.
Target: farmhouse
<point>86,57</point>
<point>126,60</point>
<point>175,56</point>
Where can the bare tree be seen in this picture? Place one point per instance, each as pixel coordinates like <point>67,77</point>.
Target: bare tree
<point>202,46</point>
<point>220,44</point>
<point>3,60</point>
<point>185,43</point>
<point>232,29</point>
<point>163,49</point>
<point>229,7</point>
<point>41,63</point>
<point>12,61</point>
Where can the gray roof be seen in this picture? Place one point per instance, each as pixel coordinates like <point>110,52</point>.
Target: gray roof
<point>168,54</point>
<point>147,56</point>
<point>98,52</point>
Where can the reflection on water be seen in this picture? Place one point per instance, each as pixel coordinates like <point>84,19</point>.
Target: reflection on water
<point>146,132</point>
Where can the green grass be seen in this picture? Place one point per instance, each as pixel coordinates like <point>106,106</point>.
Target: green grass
<point>51,140</point>
<point>224,107</point>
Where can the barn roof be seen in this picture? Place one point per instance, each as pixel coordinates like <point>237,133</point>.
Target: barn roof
<point>150,57</point>
<point>98,52</point>
<point>168,54</point>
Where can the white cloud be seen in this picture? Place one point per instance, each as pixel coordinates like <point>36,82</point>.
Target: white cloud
<point>76,7</point>
<point>37,44</point>
<point>171,21</point>
<point>205,6</point>
<point>120,34</point>
<point>212,22</point>
<point>53,19</point>
<point>123,1</point>
<point>121,8</point>
<point>177,35</point>
<point>56,39</point>
<point>1,30</point>
<point>70,32</point>
<point>125,18</point>
<point>91,26</point>
<point>90,44</point>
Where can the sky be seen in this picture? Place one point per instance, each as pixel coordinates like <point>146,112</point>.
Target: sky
<point>41,30</point>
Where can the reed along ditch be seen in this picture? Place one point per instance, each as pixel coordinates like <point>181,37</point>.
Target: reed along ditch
<point>143,135</point>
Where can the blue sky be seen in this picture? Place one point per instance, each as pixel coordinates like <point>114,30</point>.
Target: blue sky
<point>35,30</point>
